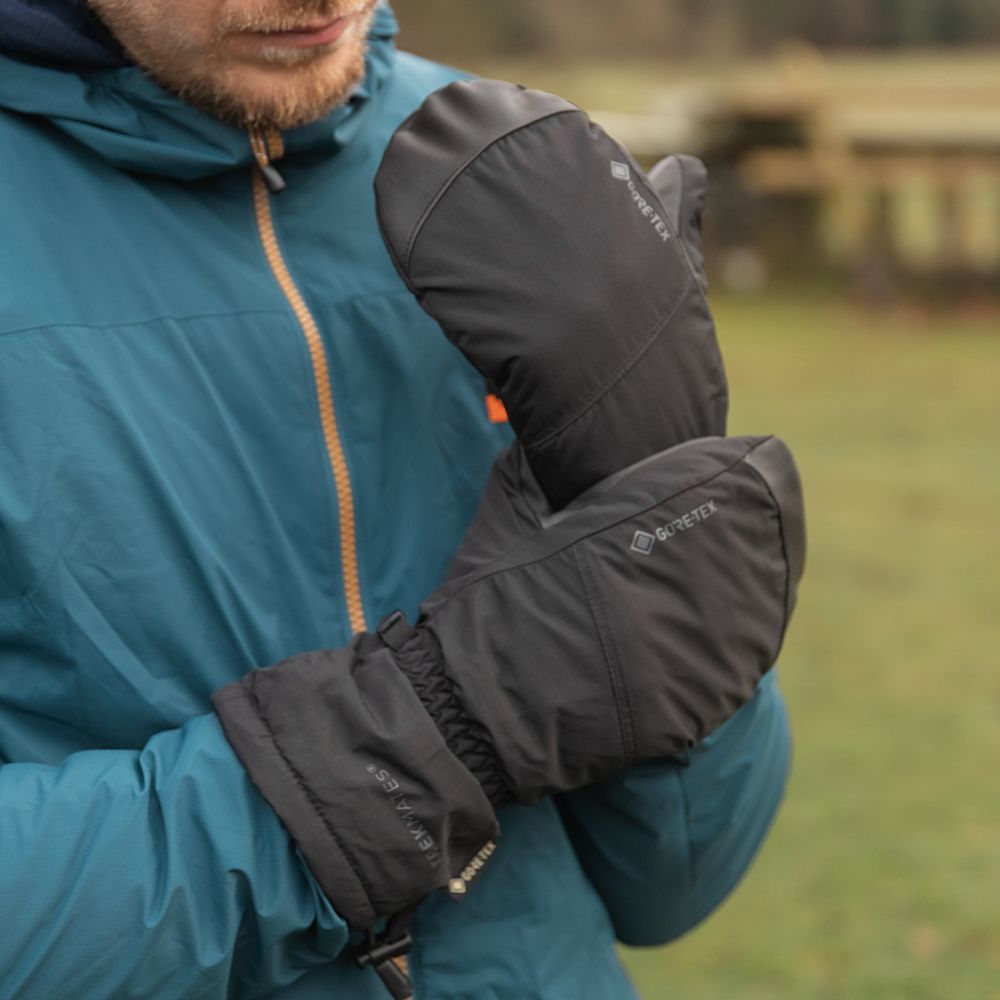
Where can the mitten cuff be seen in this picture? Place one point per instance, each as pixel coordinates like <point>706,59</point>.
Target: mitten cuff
<point>341,747</point>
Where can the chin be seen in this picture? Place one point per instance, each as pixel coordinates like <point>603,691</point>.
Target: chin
<point>275,95</point>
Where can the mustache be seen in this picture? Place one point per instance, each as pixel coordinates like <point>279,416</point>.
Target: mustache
<point>270,16</point>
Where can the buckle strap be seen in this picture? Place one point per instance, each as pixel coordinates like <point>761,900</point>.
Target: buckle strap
<point>394,630</point>
<point>380,951</point>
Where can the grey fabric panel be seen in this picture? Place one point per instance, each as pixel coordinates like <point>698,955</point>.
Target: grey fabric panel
<point>774,462</point>
<point>681,183</point>
<point>435,143</point>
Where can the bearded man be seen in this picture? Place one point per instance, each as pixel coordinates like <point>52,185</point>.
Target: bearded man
<point>228,434</point>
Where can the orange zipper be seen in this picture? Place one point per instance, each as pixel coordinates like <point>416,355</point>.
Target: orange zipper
<point>265,179</point>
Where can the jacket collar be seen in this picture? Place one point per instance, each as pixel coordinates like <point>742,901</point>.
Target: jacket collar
<point>123,116</point>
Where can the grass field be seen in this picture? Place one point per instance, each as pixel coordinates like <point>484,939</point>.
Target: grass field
<point>882,876</point>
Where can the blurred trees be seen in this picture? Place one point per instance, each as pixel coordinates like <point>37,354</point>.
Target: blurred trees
<point>460,28</point>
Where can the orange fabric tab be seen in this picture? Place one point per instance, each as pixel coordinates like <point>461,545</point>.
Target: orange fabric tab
<point>496,411</point>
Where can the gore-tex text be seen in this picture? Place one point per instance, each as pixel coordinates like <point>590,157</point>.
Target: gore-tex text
<point>688,521</point>
<point>622,172</point>
<point>649,213</point>
<point>643,542</point>
<point>405,811</point>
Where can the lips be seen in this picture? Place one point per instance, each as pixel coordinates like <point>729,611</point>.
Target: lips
<point>308,36</point>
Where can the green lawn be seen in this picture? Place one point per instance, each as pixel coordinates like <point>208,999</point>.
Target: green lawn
<point>881,878</point>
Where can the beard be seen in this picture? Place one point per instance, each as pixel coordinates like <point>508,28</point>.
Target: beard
<point>259,86</point>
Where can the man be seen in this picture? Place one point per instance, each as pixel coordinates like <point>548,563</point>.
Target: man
<point>229,435</point>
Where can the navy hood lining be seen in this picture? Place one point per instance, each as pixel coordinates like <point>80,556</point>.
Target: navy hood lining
<point>64,34</point>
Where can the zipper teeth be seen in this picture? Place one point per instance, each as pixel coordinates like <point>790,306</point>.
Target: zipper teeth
<point>275,144</point>
<point>328,417</point>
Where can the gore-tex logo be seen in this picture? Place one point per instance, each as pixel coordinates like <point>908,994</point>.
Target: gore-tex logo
<point>622,172</point>
<point>643,542</point>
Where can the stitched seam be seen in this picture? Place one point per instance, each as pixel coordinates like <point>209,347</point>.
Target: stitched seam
<point>144,321</point>
<point>693,861</point>
<point>590,401</point>
<point>443,190</point>
<point>603,528</point>
<point>308,794</point>
<point>595,396</point>
<point>610,659</point>
<point>191,317</point>
<point>629,713</point>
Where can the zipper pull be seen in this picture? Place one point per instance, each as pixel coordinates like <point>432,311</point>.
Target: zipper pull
<point>380,951</point>
<point>274,181</point>
<point>272,178</point>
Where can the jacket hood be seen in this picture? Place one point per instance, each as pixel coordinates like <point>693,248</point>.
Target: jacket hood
<point>115,109</point>
<point>63,33</point>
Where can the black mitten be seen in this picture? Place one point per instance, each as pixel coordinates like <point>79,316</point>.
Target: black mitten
<point>581,650</point>
<point>548,258</point>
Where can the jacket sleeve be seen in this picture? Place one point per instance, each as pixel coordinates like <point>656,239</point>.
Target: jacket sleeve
<point>666,842</point>
<point>155,873</point>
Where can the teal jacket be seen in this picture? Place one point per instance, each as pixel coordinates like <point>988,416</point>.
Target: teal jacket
<point>208,464</point>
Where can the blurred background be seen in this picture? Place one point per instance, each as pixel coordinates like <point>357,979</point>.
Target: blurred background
<point>853,238</point>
